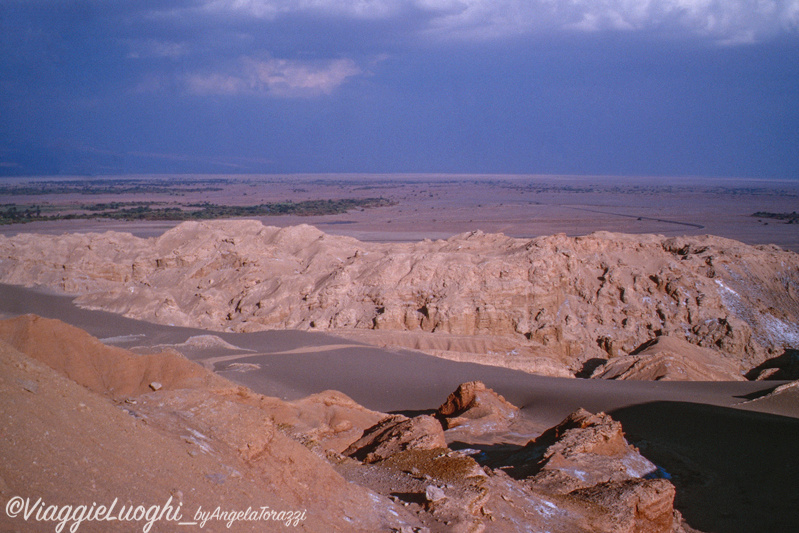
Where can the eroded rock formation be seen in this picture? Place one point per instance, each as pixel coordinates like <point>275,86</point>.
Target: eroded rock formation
<point>575,299</point>
<point>201,439</point>
<point>476,409</point>
<point>395,434</point>
<point>671,359</point>
<point>581,475</point>
<point>584,450</point>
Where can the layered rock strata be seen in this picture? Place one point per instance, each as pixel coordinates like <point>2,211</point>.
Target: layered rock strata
<point>575,299</point>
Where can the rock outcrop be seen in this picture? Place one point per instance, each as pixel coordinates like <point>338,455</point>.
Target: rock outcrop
<point>596,296</point>
<point>633,506</point>
<point>330,420</point>
<point>587,458</point>
<point>476,409</point>
<point>670,359</point>
<point>395,434</point>
<point>580,475</point>
<point>584,450</point>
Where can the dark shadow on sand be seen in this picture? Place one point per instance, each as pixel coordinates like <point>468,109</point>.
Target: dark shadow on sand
<point>757,394</point>
<point>735,471</point>
<point>412,413</point>
<point>410,497</point>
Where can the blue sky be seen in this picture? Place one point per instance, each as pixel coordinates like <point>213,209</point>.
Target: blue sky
<point>623,87</point>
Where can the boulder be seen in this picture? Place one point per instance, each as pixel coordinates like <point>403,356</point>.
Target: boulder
<point>476,408</point>
<point>397,433</point>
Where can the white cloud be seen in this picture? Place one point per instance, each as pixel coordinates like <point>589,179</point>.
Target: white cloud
<point>276,77</point>
<point>722,20</point>
<point>154,48</point>
<point>215,83</point>
<point>270,9</point>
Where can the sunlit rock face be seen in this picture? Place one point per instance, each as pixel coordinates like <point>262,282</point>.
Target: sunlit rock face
<point>576,299</point>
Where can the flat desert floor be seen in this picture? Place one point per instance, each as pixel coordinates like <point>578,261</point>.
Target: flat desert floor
<point>439,206</point>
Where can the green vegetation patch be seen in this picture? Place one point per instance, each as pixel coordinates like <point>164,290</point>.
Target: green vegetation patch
<point>789,218</point>
<point>15,214</point>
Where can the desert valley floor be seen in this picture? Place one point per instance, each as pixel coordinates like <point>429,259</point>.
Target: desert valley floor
<point>725,309</point>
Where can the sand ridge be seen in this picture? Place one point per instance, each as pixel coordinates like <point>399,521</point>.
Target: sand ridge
<point>200,443</point>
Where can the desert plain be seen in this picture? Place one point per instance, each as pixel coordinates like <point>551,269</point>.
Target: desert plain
<point>306,361</point>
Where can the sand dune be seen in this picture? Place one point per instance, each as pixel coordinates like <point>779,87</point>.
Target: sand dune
<point>207,442</point>
<point>203,444</point>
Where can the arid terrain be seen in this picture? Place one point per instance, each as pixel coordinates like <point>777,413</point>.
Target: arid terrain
<point>440,206</point>
<point>416,364</point>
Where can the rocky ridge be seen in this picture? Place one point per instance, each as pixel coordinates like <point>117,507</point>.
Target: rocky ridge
<point>571,300</point>
<point>204,440</point>
<point>580,475</point>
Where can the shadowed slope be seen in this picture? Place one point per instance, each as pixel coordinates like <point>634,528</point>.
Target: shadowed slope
<point>735,471</point>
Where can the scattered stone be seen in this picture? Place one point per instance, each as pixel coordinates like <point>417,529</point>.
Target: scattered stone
<point>155,385</point>
<point>30,386</point>
<point>433,493</point>
<point>177,494</point>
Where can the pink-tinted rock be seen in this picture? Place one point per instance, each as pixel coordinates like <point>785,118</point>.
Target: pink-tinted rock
<point>395,434</point>
<point>585,449</point>
<point>476,408</point>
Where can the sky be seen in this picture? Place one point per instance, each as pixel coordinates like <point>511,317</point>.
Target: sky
<point>586,87</point>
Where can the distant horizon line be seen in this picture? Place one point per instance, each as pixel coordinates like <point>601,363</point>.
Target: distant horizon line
<point>451,175</point>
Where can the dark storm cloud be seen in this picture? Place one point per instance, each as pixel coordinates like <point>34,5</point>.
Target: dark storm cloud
<point>586,86</point>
